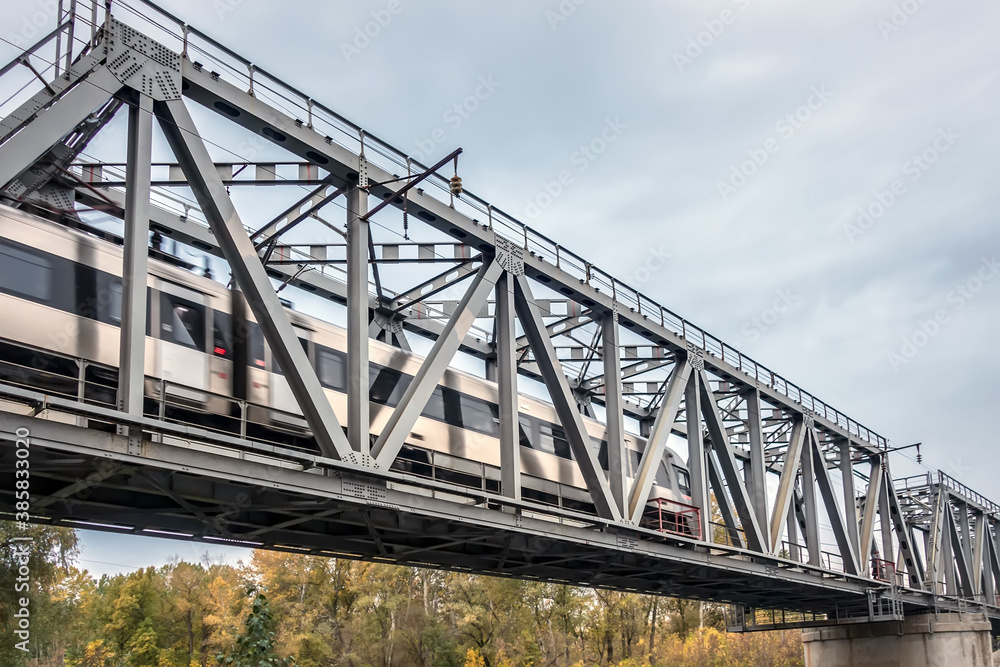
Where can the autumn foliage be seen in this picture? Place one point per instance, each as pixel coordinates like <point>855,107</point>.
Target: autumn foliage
<point>289,609</point>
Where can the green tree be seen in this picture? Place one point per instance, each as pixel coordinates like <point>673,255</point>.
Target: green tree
<point>255,647</point>
<point>46,553</point>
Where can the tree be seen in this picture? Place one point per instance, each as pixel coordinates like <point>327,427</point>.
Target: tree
<point>255,646</point>
<point>46,553</point>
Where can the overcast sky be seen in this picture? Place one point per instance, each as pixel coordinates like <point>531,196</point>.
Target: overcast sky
<point>748,138</point>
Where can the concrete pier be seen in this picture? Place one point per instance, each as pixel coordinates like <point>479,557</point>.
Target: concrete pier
<point>942,640</point>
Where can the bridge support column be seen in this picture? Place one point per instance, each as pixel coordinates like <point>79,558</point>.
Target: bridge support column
<point>942,640</point>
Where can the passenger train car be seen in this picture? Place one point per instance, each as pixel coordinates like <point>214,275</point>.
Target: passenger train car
<point>61,292</point>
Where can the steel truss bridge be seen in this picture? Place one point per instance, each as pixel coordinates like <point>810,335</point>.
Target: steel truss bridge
<point>776,474</point>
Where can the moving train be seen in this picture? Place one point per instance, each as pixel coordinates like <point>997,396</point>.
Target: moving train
<point>61,289</point>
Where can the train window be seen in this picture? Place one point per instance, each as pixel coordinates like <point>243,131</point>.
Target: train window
<point>683,480</point>
<point>332,373</point>
<point>276,367</point>
<point>552,439</point>
<point>523,425</point>
<point>222,334</point>
<point>524,428</point>
<point>602,456</point>
<point>477,415</point>
<point>25,273</point>
<point>541,496</point>
<point>386,385</point>
<point>636,459</point>
<point>444,406</point>
<point>182,321</point>
<point>435,405</point>
<point>115,303</point>
<point>256,346</point>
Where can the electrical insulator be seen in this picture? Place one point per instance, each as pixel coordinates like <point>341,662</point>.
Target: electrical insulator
<point>456,185</point>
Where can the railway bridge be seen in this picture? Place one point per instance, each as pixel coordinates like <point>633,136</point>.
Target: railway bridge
<point>468,395</point>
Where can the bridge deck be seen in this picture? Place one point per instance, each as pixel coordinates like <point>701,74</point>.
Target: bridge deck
<point>186,483</point>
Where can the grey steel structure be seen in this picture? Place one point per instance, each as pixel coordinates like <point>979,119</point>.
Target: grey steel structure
<point>775,472</point>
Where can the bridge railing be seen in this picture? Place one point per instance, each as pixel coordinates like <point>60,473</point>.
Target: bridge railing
<point>306,111</point>
<point>799,552</point>
<point>670,516</point>
<point>965,492</point>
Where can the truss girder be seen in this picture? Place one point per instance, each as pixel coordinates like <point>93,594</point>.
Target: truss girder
<point>615,419</point>
<point>444,280</point>
<point>225,223</point>
<point>415,398</point>
<point>656,443</point>
<point>730,469</point>
<point>837,521</point>
<point>358,398</point>
<point>756,472</point>
<point>723,503</point>
<point>506,372</point>
<point>908,553</point>
<point>53,123</point>
<point>871,507</point>
<point>786,484</point>
<point>255,115</point>
<point>132,350</point>
<point>961,559</point>
<point>563,400</point>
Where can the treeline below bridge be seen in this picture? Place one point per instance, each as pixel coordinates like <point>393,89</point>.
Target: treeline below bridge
<point>285,609</point>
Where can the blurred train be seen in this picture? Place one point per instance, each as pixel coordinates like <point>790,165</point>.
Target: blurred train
<point>61,289</point>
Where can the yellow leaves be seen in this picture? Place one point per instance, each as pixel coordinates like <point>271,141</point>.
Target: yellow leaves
<point>474,659</point>
<point>712,648</point>
<point>95,654</point>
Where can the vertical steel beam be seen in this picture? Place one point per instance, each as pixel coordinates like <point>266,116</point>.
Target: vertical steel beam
<point>22,149</point>
<point>415,398</point>
<point>936,542</point>
<point>562,399</point>
<point>505,369</point>
<point>995,526</point>
<point>960,557</point>
<point>948,557</point>
<point>809,502</point>
<point>908,553</point>
<point>358,419</point>
<point>850,498</point>
<point>786,484</point>
<point>964,528</point>
<point>132,347</point>
<point>656,441</point>
<point>792,533</point>
<point>192,155</point>
<point>696,454</point>
<point>755,467</point>
<point>715,478</point>
<point>980,555</point>
<point>839,523</point>
<point>871,509</point>
<point>991,569</point>
<point>614,405</point>
<point>885,520</point>
<point>729,467</point>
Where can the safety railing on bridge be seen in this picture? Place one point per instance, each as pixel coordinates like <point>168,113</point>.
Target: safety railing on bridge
<point>884,570</point>
<point>741,619</point>
<point>965,492</point>
<point>799,552</point>
<point>669,516</point>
